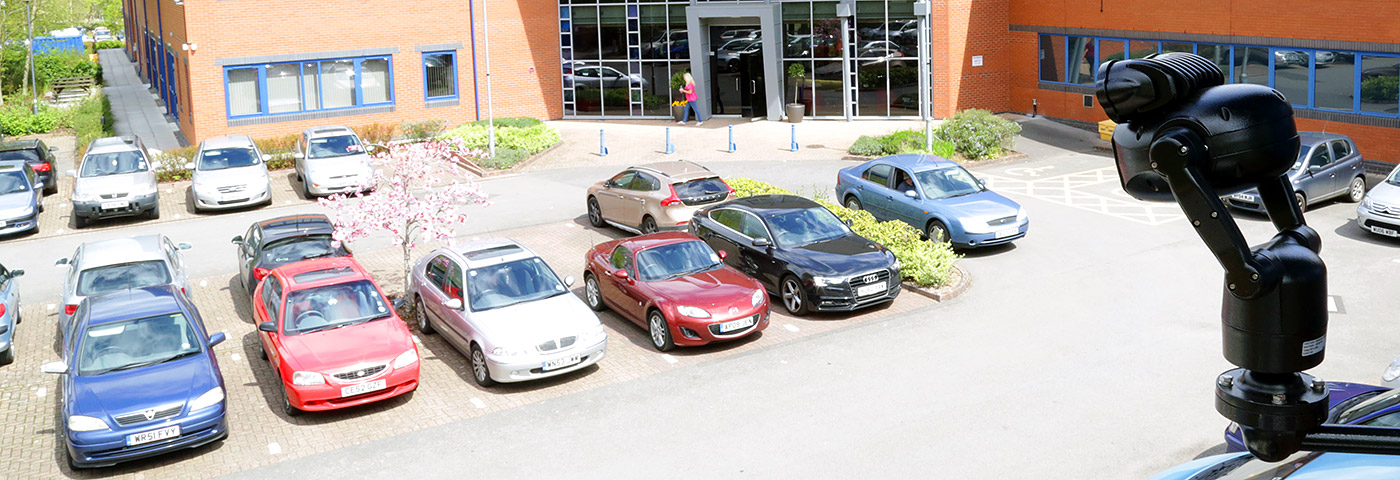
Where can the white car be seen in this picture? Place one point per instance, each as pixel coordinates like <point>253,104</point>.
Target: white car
<point>229,172</point>
<point>331,160</point>
<point>499,303</point>
<point>120,264</point>
<point>1379,211</point>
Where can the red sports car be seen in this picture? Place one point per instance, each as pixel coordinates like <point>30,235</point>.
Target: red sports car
<point>332,337</point>
<point>676,286</point>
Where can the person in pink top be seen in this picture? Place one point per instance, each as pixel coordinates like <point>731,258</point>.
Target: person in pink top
<point>690,101</point>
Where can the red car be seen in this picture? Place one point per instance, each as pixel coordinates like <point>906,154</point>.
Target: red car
<point>332,337</point>
<point>676,286</point>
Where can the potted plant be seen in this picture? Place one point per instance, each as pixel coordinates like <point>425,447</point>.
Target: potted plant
<point>678,106</point>
<point>795,108</point>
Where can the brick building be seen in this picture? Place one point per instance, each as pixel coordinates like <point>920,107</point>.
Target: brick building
<point>232,66</point>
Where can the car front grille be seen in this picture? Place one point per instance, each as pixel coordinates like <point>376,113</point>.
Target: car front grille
<point>232,188</point>
<point>1002,221</point>
<point>360,373</point>
<point>157,413</point>
<point>1392,211</point>
<point>109,196</point>
<point>556,344</point>
<point>877,276</point>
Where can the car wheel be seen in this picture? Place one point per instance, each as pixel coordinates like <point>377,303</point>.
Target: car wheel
<point>80,221</point>
<point>660,331</point>
<point>936,232</point>
<point>794,297</point>
<point>287,407</point>
<point>592,294</point>
<point>424,326</point>
<point>1357,190</point>
<point>853,203</point>
<point>8,356</point>
<point>51,190</point>
<point>306,190</point>
<point>595,214</point>
<point>1302,201</point>
<point>480,372</point>
<point>153,213</point>
<point>262,352</point>
<point>648,225</point>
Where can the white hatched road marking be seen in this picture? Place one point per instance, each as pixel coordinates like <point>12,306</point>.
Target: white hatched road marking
<point>669,358</point>
<point>1067,190</point>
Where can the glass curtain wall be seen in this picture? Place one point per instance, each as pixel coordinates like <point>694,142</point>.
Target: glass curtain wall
<point>618,58</point>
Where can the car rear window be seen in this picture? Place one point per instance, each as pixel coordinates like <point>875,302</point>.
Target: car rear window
<point>316,275</point>
<point>702,191</point>
<point>122,276</point>
<point>26,155</point>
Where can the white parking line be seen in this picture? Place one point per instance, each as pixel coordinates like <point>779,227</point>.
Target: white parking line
<point>274,448</point>
<point>40,392</point>
<point>478,403</point>
<point>790,327</point>
<point>669,359</point>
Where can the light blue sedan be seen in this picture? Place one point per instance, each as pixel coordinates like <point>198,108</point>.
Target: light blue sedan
<point>1299,466</point>
<point>935,195</point>
<point>9,313</point>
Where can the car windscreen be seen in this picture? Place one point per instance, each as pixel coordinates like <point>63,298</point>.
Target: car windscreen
<point>122,276</point>
<point>135,343</point>
<point>1370,406</point>
<point>221,158</point>
<point>337,146</point>
<point>296,249</point>
<point>1302,158</point>
<point>115,163</point>
<point>510,283</point>
<point>26,155</point>
<point>948,182</point>
<point>1394,178</point>
<point>803,227</point>
<point>331,306</point>
<point>676,260</point>
<point>13,181</point>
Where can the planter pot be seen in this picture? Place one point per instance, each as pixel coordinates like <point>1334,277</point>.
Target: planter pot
<point>677,112</point>
<point>795,112</point>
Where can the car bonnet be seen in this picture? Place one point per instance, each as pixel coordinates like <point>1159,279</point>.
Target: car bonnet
<point>530,323</point>
<point>116,393</point>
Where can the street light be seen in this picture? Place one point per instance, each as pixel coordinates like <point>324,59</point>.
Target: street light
<point>33,75</point>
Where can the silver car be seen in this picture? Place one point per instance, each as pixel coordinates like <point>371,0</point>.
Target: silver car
<point>505,308</point>
<point>114,179</point>
<point>332,160</point>
<point>120,264</point>
<point>229,172</point>
<point>1379,211</point>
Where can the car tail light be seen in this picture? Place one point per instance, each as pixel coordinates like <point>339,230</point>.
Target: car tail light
<point>70,309</point>
<point>838,178</point>
<point>259,273</point>
<point>731,189</point>
<point>683,222</point>
<point>672,200</point>
<point>2,309</point>
<point>42,167</point>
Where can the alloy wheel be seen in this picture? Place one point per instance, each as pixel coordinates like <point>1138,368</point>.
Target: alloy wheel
<point>658,330</point>
<point>1302,202</point>
<point>792,299</point>
<point>1358,190</point>
<point>595,217</point>
<point>852,203</point>
<point>648,225</point>
<point>590,289</point>
<point>937,233</point>
<point>422,314</point>
<point>479,365</point>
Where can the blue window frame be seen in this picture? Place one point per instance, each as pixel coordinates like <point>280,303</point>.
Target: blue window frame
<point>308,86</point>
<point>440,75</point>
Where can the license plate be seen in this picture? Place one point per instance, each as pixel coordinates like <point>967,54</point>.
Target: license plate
<point>114,205</point>
<point>871,289</point>
<point>1385,231</point>
<point>153,435</point>
<point>560,362</point>
<point>1243,197</point>
<point>1007,232</point>
<point>739,324</point>
<point>362,388</point>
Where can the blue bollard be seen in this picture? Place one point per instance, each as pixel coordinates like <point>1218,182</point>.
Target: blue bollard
<point>602,147</point>
<point>794,138</point>
<point>732,148</point>
<point>670,148</point>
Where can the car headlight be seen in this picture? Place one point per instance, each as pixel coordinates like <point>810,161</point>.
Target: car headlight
<point>1392,372</point>
<point>757,298</point>
<point>896,265</point>
<point>1366,202</point>
<point>1020,214</point>
<point>594,335</point>
<point>826,281</point>
<point>84,197</point>
<point>406,358</point>
<point>83,423</point>
<point>692,312</point>
<point>140,191</point>
<point>308,378</point>
<point>507,352</point>
<point>211,397</point>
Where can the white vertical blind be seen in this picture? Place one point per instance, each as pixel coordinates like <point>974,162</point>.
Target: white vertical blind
<point>312,85</point>
<point>338,83</point>
<point>284,88</point>
<point>243,92</point>
<point>375,81</point>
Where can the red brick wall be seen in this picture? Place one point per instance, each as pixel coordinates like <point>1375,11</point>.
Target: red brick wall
<point>963,29</point>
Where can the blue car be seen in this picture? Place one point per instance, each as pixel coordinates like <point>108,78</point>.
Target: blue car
<point>9,313</point>
<point>140,380</point>
<point>1300,466</point>
<point>1348,403</point>
<point>935,195</point>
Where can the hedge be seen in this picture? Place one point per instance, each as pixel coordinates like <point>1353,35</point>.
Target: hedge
<point>974,134</point>
<point>923,262</point>
<point>516,139</point>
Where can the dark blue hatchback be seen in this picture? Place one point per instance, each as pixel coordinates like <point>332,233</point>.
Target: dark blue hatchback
<point>140,378</point>
<point>935,195</point>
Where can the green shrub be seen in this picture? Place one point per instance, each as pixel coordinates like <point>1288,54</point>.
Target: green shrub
<point>53,66</point>
<point>90,120</point>
<point>903,141</point>
<point>504,159</point>
<point>376,133</point>
<point>170,164</point>
<point>528,135</point>
<point>514,122</point>
<point>109,44</point>
<point>924,262</point>
<point>677,80</point>
<point>422,130</point>
<point>867,146</point>
<point>1380,89</point>
<point>979,134</point>
<point>18,119</point>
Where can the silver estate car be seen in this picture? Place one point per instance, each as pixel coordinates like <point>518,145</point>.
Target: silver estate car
<point>1379,211</point>
<point>120,264</point>
<point>331,160</point>
<point>506,309</point>
<point>229,172</point>
<point>115,179</point>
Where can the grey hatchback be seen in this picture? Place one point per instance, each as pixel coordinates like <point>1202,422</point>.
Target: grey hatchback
<point>21,198</point>
<point>1328,166</point>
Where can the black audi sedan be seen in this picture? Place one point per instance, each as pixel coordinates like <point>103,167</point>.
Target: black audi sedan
<point>278,241</point>
<point>801,251</point>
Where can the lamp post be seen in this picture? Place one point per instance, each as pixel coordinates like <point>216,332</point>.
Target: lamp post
<point>33,75</point>
<point>490,117</point>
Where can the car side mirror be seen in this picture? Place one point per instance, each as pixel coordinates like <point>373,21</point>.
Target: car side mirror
<point>189,165</point>
<point>184,246</point>
<point>71,173</point>
<point>761,242</point>
<point>569,281</point>
<point>59,368</point>
<point>298,155</point>
<point>1314,168</point>
<point>61,262</point>
<point>723,254</point>
<point>982,182</point>
<point>455,304</point>
<point>53,149</point>
<point>238,240</point>
<point>620,274</point>
<point>267,157</point>
<point>268,326</point>
<point>217,338</point>
<point>911,194</point>
<point>848,222</point>
<point>16,273</point>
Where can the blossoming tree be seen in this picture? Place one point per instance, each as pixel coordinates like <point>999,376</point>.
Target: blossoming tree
<point>417,197</point>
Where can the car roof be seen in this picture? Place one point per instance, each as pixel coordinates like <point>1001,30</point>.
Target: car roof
<point>771,202</point>
<point>134,303</point>
<point>113,144</point>
<point>291,270</point>
<point>227,141</point>
<point>1313,138</point>
<point>12,164</point>
<point>917,162</point>
<point>491,251</point>
<point>18,145</point>
<point>295,225</point>
<point>327,131</point>
<point>643,242</point>
<point>121,250</point>
<point>679,170</point>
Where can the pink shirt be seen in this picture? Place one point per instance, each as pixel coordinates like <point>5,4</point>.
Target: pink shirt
<point>690,92</point>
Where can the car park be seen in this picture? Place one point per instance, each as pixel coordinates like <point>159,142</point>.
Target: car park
<point>9,313</point>
<point>114,179</point>
<point>1379,211</point>
<point>330,160</point>
<point>331,337</point>
<point>21,199</point>
<point>282,240</point>
<point>1328,166</point>
<point>501,305</point>
<point>676,287</point>
<point>935,195</point>
<point>105,266</point>
<point>38,155</point>
<point>229,172</point>
<point>801,251</point>
<point>655,197</point>
<point>140,379</point>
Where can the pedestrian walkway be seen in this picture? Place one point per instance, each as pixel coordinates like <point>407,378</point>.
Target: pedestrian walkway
<point>133,104</point>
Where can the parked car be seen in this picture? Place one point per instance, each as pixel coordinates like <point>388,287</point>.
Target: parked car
<point>332,338</point>
<point>663,43</point>
<point>1328,166</point>
<point>1299,466</point>
<point>39,157</point>
<point>278,241</point>
<point>676,287</point>
<point>114,179</point>
<point>229,172</point>
<point>727,57</point>
<point>502,306</point>
<point>739,33</point>
<point>105,266</point>
<point>9,313</point>
<point>141,378</point>
<point>801,251</point>
<point>1379,211</point>
<point>21,199</point>
<point>935,195</point>
<point>597,76</point>
<point>330,160</point>
<point>655,197</point>
<point>1348,403</point>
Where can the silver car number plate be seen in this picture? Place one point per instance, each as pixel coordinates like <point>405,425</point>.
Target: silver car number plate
<point>1243,197</point>
<point>1385,231</point>
<point>739,324</point>
<point>560,362</point>
<point>153,435</point>
<point>363,388</point>
<point>1007,232</point>
<point>871,289</point>
<point>114,205</point>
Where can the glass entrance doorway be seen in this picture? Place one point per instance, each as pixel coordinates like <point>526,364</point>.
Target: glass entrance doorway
<point>736,71</point>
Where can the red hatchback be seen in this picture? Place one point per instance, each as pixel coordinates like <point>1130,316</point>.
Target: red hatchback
<point>332,337</point>
<point>677,287</point>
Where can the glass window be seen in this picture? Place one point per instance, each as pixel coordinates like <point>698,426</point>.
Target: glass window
<point>440,74</point>
<point>296,249</point>
<point>1340,149</point>
<point>510,283</point>
<point>904,87</point>
<point>284,88</point>
<point>750,226</point>
<point>1081,60</point>
<point>311,85</point>
<point>1184,47</point>
<point>136,343</point>
<point>878,174</point>
<point>338,83</point>
<point>452,286</point>
<point>645,183</point>
<point>1334,79</point>
<point>1321,157</point>
<point>14,181</point>
<point>1112,50</point>
<point>799,90</point>
<point>1052,48</point>
<point>1141,48</point>
<point>330,306</point>
<point>1380,84</point>
<point>805,227</point>
<point>221,158</point>
<point>612,27</point>
<point>335,146</point>
<point>622,180</point>
<point>122,276</point>
<point>676,260</point>
<point>585,33</point>
<point>1251,65</point>
<point>1291,75</point>
<point>619,257</point>
<point>680,43</point>
<point>437,271</point>
<point>656,88</point>
<point>947,182</point>
<point>375,85</point>
<point>827,98</point>
<point>1220,54</point>
<point>797,30</point>
<point>114,163</point>
<point>244,93</point>
<point>826,31</point>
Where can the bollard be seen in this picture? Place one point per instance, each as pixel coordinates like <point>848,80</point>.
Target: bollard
<point>731,139</point>
<point>794,138</point>
<point>602,147</point>
<point>670,148</point>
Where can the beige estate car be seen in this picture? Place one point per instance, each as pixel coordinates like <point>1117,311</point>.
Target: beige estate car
<point>655,197</point>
